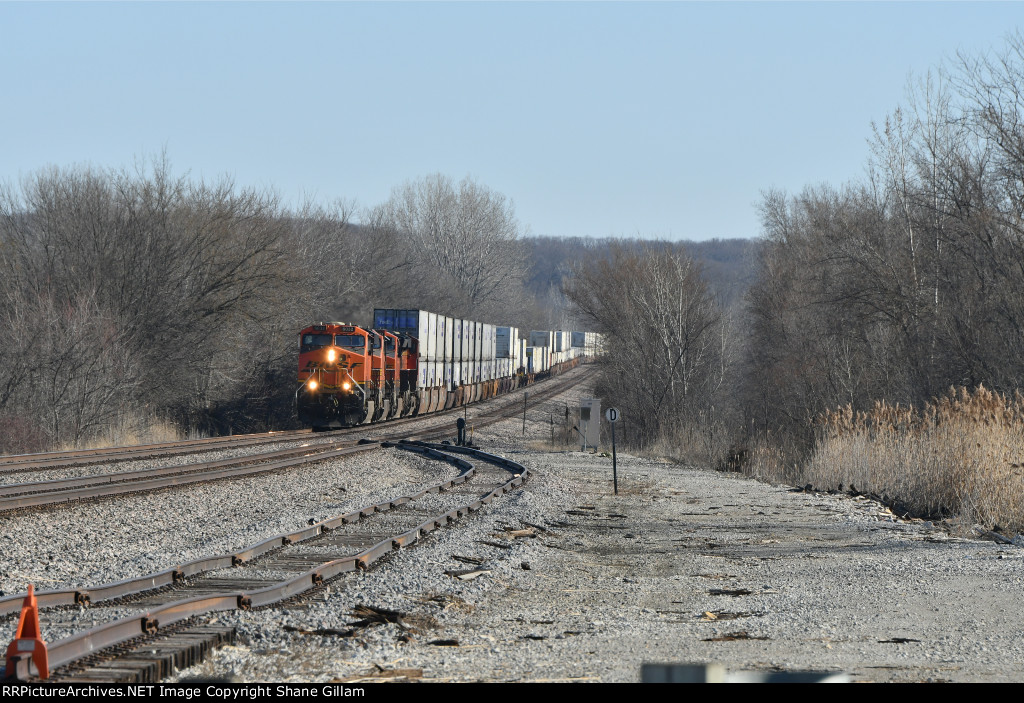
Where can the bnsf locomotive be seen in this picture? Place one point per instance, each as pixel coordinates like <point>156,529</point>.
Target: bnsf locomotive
<point>414,362</point>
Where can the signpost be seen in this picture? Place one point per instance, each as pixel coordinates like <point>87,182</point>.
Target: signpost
<point>526,397</point>
<point>612,415</point>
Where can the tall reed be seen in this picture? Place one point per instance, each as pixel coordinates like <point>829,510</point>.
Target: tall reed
<point>961,455</point>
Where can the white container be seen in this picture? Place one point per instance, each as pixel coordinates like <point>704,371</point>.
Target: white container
<point>428,351</point>
<point>447,336</point>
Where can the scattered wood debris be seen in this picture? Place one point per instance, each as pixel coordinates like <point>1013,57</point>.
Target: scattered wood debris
<point>370,616</point>
<point>994,536</point>
<point>514,534</point>
<point>734,592</point>
<point>445,601</point>
<point>379,672</point>
<point>468,560</point>
<point>444,643</point>
<point>898,640</point>
<point>467,574</point>
<point>734,636</point>
<point>536,527</point>
<point>709,615</point>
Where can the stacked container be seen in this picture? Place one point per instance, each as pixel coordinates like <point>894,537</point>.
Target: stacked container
<point>422,325</point>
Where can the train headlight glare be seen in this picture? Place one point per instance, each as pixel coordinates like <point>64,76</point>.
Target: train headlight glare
<point>313,385</point>
<point>346,385</point>
<point>331,355</point>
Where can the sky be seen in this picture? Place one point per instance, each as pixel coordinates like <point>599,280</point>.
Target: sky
<point>662,120</point>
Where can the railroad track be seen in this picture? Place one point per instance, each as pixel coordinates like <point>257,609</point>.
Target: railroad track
<point>37,494</point>
<point>272,571</point>
<point>265,574</point>
<point>20,463</point>
<point>12,464</point>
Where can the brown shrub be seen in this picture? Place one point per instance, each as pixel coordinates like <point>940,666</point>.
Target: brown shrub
<point>961,455</point>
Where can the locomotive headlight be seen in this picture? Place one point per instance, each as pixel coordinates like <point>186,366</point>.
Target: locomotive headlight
<point>346,385</point>
<point>331,355</point>
<point>313,384</point>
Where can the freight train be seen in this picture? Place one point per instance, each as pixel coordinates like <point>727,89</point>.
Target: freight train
<point>413,362</point>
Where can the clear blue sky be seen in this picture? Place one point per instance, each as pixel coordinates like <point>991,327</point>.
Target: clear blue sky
<point>662,119</point>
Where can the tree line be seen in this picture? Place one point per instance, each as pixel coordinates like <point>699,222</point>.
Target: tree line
<point>133,296</point>
<point>894,287</point>
<point>140,294</point>
<point>909,281</point>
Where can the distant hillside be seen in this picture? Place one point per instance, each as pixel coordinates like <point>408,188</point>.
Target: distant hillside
<point>728,263</point>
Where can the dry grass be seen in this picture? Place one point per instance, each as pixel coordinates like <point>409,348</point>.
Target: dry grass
<point>773,460</point>
<point>128,431</point>
<point>962,455</point>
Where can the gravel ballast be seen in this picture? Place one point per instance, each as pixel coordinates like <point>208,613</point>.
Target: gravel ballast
<point>684,565</point>
<point>68,547</point>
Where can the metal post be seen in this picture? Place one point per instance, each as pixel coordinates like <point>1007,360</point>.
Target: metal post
<point>565,428</point>
<point>615,467</point>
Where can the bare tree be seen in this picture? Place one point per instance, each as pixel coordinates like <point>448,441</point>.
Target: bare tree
<point>662,332</point>
<point>465,243</point>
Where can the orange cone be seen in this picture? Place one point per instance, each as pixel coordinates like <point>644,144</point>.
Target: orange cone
<point>28,640</point>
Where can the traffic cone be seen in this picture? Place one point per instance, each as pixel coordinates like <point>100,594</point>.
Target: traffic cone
<point>28,640</point>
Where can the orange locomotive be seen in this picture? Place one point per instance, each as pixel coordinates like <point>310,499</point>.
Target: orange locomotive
<point>414,362</point>
<point>351,375</point>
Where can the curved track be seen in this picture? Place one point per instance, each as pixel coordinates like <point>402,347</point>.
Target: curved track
<point>273,570</point>
<point>284,566</point>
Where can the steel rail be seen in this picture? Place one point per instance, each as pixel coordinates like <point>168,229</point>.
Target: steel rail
<point>20,463</point>
<point>15,463</point>
<point>77,646</point>
<point>59,497</point>
<point>63,491</point>
<point>13,489</point>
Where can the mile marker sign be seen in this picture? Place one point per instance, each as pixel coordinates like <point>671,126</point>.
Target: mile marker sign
<point>612,414</point>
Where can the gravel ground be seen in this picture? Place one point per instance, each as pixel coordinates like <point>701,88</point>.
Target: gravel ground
<point>684,566</point>
<point>54,548</point>
<point>118,467</point>
<point>158,531</point>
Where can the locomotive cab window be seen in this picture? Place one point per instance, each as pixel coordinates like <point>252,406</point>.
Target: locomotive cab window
<point>353,342</point>
<point>311,342</point>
